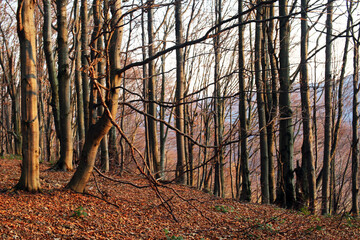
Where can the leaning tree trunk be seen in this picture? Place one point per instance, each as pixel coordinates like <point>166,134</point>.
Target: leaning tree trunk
<point>328,112</point>
<point>286,134</point>
<point>66,140</point>
<point>97,131</point>
<point>308,164</point>
<point>29,179</point>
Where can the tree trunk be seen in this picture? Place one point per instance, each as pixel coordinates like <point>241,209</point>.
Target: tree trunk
<point>286,134</point>
<point>66,140</point>
<point>264,159</point>
<point>84,62</point>
<point>153,140</point>
<point>273,105</point>
<point>308,164</point>
<point>179,95</point>
<point>101,128</point>
<point>104,145</point>
<point>29,179</point>
<point>245,194</point>
<point>219,109</point>
<point>328,111</point>
<point>48,50</point>
<point>78,80</point>
<point>355,129</point>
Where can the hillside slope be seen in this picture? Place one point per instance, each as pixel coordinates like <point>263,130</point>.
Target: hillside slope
<point>137,213</point>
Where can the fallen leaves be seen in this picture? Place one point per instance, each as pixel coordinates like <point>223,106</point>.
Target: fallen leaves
<point>135,213</point>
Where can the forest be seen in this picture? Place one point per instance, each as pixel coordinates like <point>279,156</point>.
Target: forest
<point>246,102</point>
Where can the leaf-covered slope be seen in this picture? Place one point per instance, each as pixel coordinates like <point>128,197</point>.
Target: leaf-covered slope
<point>137,213</point>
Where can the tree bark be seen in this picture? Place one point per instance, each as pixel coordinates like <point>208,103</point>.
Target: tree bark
<point>29,179</point>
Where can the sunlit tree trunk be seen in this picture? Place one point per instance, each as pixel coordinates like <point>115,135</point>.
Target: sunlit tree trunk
<point>29,179</point>
<point>328,111</point>
<point>66,138</point>
<point>286,134</point>
<point>100,129</point>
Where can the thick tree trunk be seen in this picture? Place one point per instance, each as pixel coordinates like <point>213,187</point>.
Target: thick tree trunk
<point>66,140</point>
<point>29,179</point>
<point>286,134</point>
<point>328,111</point>
<point>102,127</point>
<point>179,95</point>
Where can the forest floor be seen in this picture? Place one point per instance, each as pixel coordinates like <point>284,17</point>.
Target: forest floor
<point>137,213</point>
